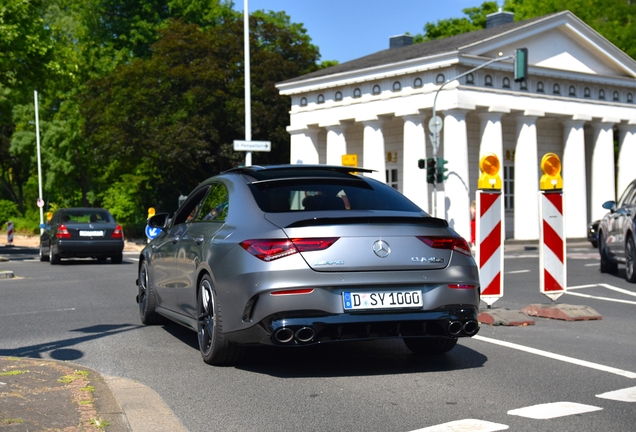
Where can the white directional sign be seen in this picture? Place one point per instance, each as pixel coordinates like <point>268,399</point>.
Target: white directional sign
<point>252,145</point>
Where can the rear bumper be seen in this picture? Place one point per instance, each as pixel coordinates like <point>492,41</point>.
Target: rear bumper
<point>305,329</point>
<point>88,248</point>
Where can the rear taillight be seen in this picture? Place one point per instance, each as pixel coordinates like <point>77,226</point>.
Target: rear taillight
<point>292,292</point>
<point>62,232</point>
<point>118,233</point>
<point>272,249</point>
<point>457,244</point>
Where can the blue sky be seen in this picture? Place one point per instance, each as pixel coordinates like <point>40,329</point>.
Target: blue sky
<point>348,29</point>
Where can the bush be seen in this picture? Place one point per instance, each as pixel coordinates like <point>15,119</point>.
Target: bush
<point>8,211</point>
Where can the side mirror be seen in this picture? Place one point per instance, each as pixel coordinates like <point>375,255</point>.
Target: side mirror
<point>609,205</point>
<point>159,220</point>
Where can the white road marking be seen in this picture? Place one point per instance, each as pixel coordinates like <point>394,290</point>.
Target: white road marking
<point>601,298</point>
<point>39,312</point>
<point>624,395</point>
<point>608,286</point>
<point>592,265</point>
<point>518,271</point>
<point>558,357</point>
<point>467,425</point>
<point>553,410</point>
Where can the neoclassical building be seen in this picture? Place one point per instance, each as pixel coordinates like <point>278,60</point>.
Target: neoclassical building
<point>578,99</point>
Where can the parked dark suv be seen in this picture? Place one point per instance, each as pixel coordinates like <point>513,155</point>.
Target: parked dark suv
<point>616,238</point>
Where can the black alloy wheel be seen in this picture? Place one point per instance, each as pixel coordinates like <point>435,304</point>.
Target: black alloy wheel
<point>146,298</point>
<point>43,257</point>
<point>213,344</point>
<point>607,266</point>
<point>53,257</point>
<point>630,251</point>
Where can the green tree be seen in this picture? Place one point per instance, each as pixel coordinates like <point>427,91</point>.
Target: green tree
<point>171,119</point>
<point>614,19</point>
<point>475,20</point>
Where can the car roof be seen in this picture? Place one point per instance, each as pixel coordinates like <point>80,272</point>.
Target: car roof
<point>289,171</point>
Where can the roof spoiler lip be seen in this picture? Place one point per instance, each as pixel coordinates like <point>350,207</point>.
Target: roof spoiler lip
<point>337,168</point>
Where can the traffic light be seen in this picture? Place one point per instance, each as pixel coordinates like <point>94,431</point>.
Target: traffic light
<point>489,167</point>
<point>521,64</point>
<point>440,177</point>
<point>430,170</point>
<point>551,167</point>
<point>421,164</point>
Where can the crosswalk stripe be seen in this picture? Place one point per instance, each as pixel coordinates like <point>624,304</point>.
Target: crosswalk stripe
<point>553,410</point>
<point>624,395</point>
<point>466,425</point>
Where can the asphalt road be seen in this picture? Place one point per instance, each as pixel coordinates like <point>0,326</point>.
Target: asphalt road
<point>85,312</point>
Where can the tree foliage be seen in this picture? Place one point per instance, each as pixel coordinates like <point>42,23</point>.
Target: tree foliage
<point>174,116</point>
<point>614,19</point>
<point>475,19</point>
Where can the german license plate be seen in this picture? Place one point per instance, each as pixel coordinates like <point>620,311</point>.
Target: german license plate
<point>91,233</point>
<point>382,300</point>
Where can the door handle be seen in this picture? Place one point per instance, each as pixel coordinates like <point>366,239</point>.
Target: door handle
<point>199,240</point>
<point>175,239</point>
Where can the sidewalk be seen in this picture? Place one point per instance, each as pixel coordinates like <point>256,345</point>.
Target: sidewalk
<point>37,394</point>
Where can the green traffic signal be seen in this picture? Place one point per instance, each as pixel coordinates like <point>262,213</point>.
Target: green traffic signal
<point>430,170</point>
<point>521,64</point>
<point>441,169</point>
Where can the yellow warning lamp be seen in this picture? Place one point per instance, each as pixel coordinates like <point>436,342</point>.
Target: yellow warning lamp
<point>151,212</point>
<point>551,167</point>
<point>489,166</point>
<point>49,216</point>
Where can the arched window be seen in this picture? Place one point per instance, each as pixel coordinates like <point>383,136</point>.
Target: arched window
<point>556,89</point>
<point>417,83</point>
<point>630,98</point>
<point>357,93</point>
<point>506,82</point>
<point>397,86</point>
<point>616,96</point>
<point>601,94</point>
<point>303,102</point>
<point>338,96</point>
<point>439,79</point>
<point>572,91</point>
<point>488,81</point>
<point>524,85</point>
<point>587,92</point>
<point>376,89</point>
<point>470,79</point>
<point>540,87</point>
<point>321,99</point>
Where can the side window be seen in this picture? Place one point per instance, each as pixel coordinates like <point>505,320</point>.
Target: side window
<point>215,205</point>
<point>190,207</point>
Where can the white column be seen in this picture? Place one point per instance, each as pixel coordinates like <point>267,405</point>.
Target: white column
<point>373,156</point>
<point>457,187</point>
<point>574,181</point>
<point>626,156</point>
<point>603,178</point>
<point>304,146</point>
<point>336,144</point>
<point>526,180</point>
<point>414,185</point>
<point>492,142</point>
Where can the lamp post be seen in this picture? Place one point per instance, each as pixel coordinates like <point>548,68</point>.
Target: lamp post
<point>248,103</point>
<point>435,124</point>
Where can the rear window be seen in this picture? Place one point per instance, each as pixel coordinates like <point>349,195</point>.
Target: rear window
<point>86,216</point>
<point>328,194</point>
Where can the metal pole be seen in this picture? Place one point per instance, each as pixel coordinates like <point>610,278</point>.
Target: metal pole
<point>248,103</point>
<point>37,140</point>
<point>436,132</point>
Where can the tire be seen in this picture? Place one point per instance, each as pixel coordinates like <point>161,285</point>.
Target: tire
<point>630,252</point>
<point>53,257</point>
<point>117,259</point>
<point>213,344</point>
<point>43,257</point>
<point>146,299</point>
<point>607,266</point>
<point>430,345</point>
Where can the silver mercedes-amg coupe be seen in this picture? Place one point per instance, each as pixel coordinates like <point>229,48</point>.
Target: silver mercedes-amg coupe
<point>294,255</point>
